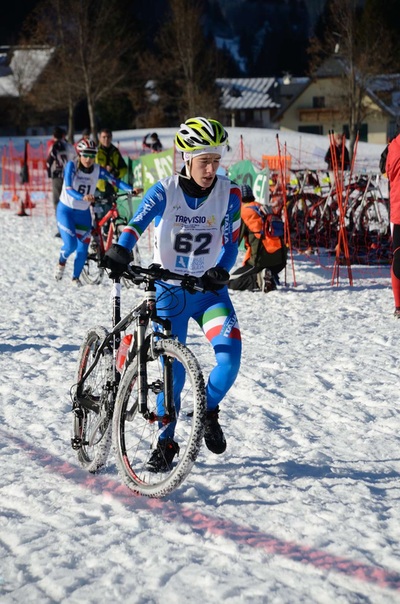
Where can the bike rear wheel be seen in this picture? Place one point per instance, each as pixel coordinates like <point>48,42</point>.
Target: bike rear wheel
<point>92,272</point>
<point>92,429</point>
<point>135,438</point>
<point>375,217</point>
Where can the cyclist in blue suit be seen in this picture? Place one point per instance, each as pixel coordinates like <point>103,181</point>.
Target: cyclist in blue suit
<point>197,222</point>
<point>74,218</point>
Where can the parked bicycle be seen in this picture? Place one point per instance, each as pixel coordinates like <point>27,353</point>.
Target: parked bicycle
<point>105,232</point>
<point>126,397</point>
<point>314,216</point>
<point>369,212</point>
<point>303,193</point>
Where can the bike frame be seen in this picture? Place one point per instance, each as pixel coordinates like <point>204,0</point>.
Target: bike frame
<point>111,217</point>
<point>141,315</point>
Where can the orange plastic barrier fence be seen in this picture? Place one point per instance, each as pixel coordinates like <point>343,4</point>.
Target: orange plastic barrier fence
<point>272,161</point>
<point>24,181</point>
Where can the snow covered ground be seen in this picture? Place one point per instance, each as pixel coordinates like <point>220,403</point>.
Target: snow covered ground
<point>302,508</point>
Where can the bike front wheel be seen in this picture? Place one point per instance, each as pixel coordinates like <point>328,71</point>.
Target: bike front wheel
<point>91,427</point>
<point>135,437</point>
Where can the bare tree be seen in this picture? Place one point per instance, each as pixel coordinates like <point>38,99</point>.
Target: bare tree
<point>57,89</point>
<point>94,44</point>
<point>181,72</point>
<point>362,51</point>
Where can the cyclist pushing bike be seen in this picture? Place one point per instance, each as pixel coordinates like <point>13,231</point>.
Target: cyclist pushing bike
<point>74,218</point>
<point>197,223</point>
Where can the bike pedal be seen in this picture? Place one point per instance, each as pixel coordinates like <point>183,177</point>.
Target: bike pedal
<point>76,443</point>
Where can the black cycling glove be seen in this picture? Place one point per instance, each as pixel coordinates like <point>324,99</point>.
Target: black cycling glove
<point>116,259</point>
<point>215,278</point>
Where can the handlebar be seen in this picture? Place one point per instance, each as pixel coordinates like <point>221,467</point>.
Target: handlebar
<point>155,272</point>
<point>112,197</point>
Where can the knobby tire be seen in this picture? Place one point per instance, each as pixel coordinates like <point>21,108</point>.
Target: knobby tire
<point>135,438</point>
<point>92,428</point>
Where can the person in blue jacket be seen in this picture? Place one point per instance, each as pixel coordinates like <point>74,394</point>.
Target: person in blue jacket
<point>74,218</point>
<point>197,223</point>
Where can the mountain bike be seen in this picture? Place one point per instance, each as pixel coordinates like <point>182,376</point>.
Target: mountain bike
<point>105,232</point>
<point>369,211</point>
<point>302,196</point>
<point>365,213</point>
<point>131,403</point>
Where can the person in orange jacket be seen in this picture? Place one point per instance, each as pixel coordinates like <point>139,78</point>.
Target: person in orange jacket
<point>265,254</point>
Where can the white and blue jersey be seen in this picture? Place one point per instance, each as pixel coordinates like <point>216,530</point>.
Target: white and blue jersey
<point>192,235</point>
<point>74,218</point>
<point>78,183</point>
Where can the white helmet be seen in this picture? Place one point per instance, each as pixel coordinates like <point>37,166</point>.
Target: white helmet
<point>86,147</point>
<point>201,135</point>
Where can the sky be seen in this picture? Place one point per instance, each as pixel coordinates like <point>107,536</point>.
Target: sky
<point>303,506</point>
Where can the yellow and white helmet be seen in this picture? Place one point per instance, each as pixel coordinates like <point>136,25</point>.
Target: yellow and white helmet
<point>199,135</point>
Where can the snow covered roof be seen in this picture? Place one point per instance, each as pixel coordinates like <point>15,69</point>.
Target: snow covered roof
<point>247,93</point>
<point>20,68</point>
<point>333,67</point>
<point>259,93</point>
<point>385,90</point>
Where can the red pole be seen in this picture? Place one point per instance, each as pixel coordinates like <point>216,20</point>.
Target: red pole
<point>287,239</point>
<point>342,243</point>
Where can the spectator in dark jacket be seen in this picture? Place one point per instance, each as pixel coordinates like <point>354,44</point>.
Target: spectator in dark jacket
<point>152,142</point>
<point>60,153</point>
<point>338,154</point>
